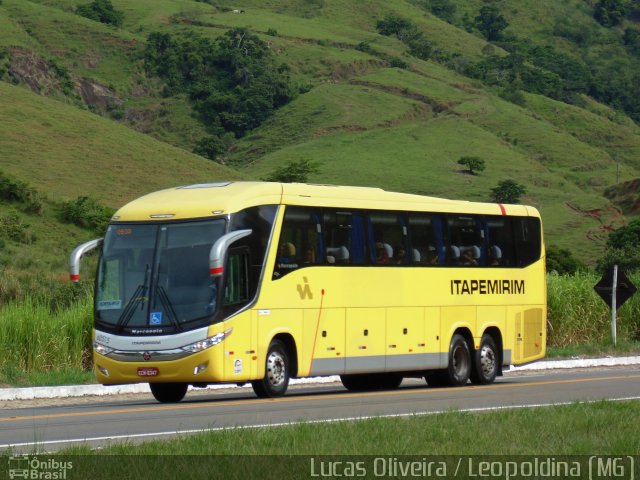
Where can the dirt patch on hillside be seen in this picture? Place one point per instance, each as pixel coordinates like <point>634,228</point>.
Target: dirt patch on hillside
<point>96,94</point>
<point>46,78</point>
<point>28,68</point>
<point>626,196</point>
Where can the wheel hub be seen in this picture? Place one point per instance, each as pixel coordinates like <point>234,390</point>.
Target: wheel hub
<point>275,369</point>
<point>487,361</point>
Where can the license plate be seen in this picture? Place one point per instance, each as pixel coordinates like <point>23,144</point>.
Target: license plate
<point>148,372</point>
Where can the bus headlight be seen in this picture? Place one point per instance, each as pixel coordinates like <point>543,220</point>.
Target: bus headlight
<point>208,342</point>
<point>101,349</point>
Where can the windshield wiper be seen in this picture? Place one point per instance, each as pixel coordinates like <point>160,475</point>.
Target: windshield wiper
<point>137,298</point>
<point>168,307</point>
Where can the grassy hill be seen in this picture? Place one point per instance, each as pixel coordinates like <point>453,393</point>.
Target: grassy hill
<point>85,118</point>
<point>63,153</point>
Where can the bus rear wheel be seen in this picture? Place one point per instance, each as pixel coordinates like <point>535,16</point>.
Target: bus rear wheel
<point>485,364</point>
<point>276,375</point>
<point>168,392</point>
<point>459,365</point>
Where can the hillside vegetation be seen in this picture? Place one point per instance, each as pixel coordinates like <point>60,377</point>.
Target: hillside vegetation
<point>90,110</point>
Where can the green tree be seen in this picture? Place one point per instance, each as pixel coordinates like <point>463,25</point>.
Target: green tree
<point>631,40</point>
<point>623,248</point>
<point>610,12</point>
<point>508,191</point>
<point>407,33</point>
<point>474,164</point>
<point>398,26</point>
<point>233,83</point>
<point>294,171</point>
<point>445,9</point>
<point>490,23</point>
<point>101,11</point>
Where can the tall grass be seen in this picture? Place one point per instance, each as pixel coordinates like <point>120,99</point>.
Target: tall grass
<point>35,338</point>
<point>577,314</point>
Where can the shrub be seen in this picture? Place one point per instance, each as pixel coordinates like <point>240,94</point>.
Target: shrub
<point>562,261</point>
<point>407,33</point>
<point>85,212</point>
<point>14,190</point>
<point>12,228</point>
<point>395,62</point>
<point>101,11</point>
<point>210,147</point>
<point>294,171</point>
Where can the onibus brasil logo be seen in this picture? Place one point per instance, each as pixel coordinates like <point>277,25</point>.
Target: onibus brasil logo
<point>38,468</point>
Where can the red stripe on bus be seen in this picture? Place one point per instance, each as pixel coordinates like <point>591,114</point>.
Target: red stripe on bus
<point>502,209</point>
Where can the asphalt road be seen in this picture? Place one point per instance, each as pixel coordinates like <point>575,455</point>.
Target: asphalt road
<point>29,426</point>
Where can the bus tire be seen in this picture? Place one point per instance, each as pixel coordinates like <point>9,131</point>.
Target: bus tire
<point>459,367</point>
<point>168,392</point>
<point>485,362</point>
<point>276,374</point>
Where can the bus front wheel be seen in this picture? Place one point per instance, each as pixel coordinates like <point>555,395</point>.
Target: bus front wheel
<point>485,364</point>
<point>276,375</point>
<point>168,392</point>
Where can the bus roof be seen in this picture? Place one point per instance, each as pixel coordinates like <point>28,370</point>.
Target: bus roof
<point>220,198</point>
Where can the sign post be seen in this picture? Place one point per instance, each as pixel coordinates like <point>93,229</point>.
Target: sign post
<point>615,288</point>
<point>614,308</point>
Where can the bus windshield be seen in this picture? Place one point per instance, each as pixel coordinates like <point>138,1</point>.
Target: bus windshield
<point>154,278</point>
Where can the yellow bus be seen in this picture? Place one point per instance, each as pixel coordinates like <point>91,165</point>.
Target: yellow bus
<point>260,282</point>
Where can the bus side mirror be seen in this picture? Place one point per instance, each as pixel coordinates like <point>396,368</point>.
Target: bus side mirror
<point>76,255</point>
<point>216,255</point>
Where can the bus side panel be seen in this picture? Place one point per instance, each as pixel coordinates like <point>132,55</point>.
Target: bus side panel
<point>405,340</point>
<point>534,326</point>
<point>239,349</point>
<point>493,316</point>
<point>514,336</point>
<point>329,347</point>
<point>365,340</point>
<point>434,358</point>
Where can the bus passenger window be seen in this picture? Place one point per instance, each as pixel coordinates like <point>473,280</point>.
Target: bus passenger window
<point>425,239</point>
<point>500,241</point>
<point>389,237</point>
<point>299,242</point>
<point>345,237</point>
<point>466,238</point>
<point>528,240</point>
